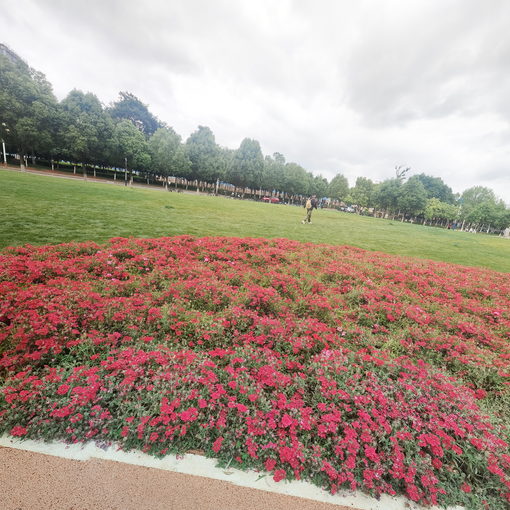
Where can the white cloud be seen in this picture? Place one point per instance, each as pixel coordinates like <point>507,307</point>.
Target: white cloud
<point>351,87</point>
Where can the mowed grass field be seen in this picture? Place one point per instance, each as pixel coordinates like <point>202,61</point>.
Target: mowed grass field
<point>37,209</point>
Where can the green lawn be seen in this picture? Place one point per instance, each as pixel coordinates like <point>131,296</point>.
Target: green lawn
<point>43,210</point>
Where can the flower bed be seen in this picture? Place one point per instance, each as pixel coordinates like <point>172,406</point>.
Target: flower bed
<point>348,368</point>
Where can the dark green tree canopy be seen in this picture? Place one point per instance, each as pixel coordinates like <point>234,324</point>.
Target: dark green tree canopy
<point>129,143</point>
<point>273,172</point>
<point>296,179</point>
<point>28,108</point>
<point>362,194</point>
<point>87,131</point>
<point>412,197</point>
<point>387,194</point>
<point>435,188</point>
<point>247,165</point>
<point>204,154</point>
<point>339,187</point>
<point>168,154</point>
<point>129,107</point>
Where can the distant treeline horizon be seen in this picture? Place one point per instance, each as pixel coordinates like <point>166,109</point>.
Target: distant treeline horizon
<point>126,135</point>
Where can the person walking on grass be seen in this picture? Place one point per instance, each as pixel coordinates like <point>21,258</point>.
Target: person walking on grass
<point>310,205</point>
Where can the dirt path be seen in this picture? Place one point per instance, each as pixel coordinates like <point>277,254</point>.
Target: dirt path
<point>33,481</point>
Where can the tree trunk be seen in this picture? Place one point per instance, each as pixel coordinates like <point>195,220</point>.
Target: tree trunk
<point>52,165</point>
<point>74,169</point>
<point>84,168</point>
<point>22,161</point>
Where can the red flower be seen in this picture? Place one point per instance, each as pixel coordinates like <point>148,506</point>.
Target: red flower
<point>217,444</point>
<point>279,475</point>
<point>63,389</point>
<point>18,431</point>
<point>270,464</point>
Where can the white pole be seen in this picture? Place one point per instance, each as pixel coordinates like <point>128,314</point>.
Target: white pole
<point>3,148</point>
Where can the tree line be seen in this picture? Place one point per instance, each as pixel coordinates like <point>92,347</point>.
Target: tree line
<point>126,137</point>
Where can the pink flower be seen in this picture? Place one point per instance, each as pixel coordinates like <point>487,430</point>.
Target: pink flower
<point>270,464</point>
<point>217,444</point>
<point>287,421</point>
<point>63,389</point>
<point>190,414</point>
<point>465,487</point>
<point>18,431</point>
<point>279,475</point>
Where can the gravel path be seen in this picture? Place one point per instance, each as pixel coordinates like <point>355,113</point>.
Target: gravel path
<point>34,481</point>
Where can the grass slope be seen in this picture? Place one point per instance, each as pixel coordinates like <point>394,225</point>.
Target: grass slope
<point>38,210</point>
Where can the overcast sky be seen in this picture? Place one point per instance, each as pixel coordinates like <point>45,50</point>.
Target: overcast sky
<point>353,87</point>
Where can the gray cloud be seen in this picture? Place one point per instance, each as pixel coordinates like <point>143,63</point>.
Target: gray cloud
<point>441,59</point>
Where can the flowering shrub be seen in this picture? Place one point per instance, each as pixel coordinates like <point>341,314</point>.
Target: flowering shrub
<point>348,368</point>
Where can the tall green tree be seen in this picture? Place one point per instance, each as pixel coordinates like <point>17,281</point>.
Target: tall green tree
<point>86,130</point>
<point>225,158</point>
<point>130,146</point>
<point>412,198</point>
<point>129,107</point>
<point>168,154</point>
<point>204,155</point>
<point>296,180</point>
<point>273,172</point>
<point>474,197</point>
<point>338,188</point>
<point>386,197</point>
<point>247,165</point>
<point>436,188</point>
<point>436,211</point>
<point>319,186</point>
<point>362,194</point>
<point>489,214</point>
<point>28,108</point>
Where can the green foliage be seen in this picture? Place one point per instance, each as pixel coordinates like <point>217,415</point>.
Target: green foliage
<point>272,173</point>
<point>296,179</point>
<point>247,165</point>
<point>28,108</point>
<point>412,198</point>
<point>387,194</point>
<point>129,142</point>
<point>86,129</point>
<point>437,210</point>
<point>319,186</point>
<point>480,206</point>
<point>436,188</point>
<point>204,155</point>
<point>129,107</point>
<point>362,194</point>
<point>339,187</point>
<point>168,154</point>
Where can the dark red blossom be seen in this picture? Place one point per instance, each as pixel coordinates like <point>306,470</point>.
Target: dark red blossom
<point>352,368</point>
